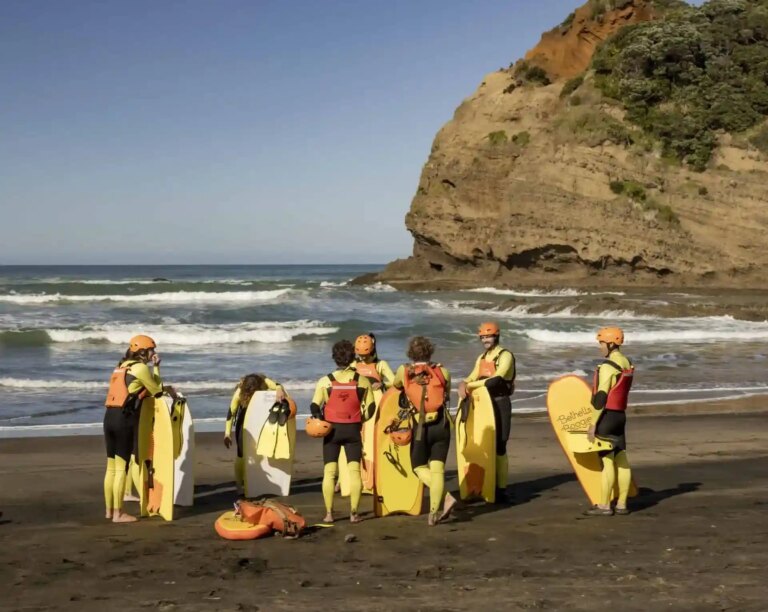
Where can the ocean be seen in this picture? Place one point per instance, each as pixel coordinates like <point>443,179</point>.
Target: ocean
<point>63,329</point>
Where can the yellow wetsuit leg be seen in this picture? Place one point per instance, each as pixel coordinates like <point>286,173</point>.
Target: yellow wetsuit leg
<point>424,475</point>
<point>609,479</point>
<point>109,484</point>
<point>330,472</point>
<point>624,477</point>
<point>502,471</point>
<point>437,485</point>
<point>118,489</point>
<point>355,486</point>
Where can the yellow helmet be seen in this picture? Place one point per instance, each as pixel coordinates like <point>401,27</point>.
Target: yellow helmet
<point>611,335</point>
<point>488,328</point>
<point>364,345</point>
<point>141,342</point>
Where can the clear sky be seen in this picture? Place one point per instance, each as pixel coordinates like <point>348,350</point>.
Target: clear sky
<point>233,131</point>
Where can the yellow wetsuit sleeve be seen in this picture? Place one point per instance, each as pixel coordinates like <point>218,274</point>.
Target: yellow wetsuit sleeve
<point>234,404</point>
<point>447,376</point>
<point>387,376</point>
<point>397,381</point>
<point>505,368</point>
<point>272,385</point>
<point>144,378</point>
<point>320,396</point>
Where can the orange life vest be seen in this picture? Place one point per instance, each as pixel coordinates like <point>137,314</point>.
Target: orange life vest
<point>618,396</point>
<point>343,405</point>
<point>368,370</point>
<point>281,517</point>
<point>117,394</point>
<point>425,383</point>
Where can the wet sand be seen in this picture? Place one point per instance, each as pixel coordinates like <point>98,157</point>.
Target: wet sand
<point>697,539</point>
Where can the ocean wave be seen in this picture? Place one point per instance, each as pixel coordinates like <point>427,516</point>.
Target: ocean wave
<point>688,336</point>
<point>331,284</point>
<point>556,293</point>
<point>173,335</point>
<point>532,311</point>
<point>171,297</point>
<point>380,288</point>
<point>45,385</point>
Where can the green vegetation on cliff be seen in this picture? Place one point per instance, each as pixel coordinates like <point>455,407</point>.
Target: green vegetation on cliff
<point>698,71</point>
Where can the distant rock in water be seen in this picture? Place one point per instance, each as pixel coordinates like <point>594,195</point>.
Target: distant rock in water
<point>160,280</point>
<point>630,147</point>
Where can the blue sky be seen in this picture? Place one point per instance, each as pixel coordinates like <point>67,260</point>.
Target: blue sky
<point>234,131</point>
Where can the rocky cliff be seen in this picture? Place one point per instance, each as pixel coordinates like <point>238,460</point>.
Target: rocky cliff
<point>541,178</point>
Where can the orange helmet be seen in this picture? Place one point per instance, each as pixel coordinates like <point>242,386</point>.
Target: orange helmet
<point>401,437</point>
<point>611,335</point>
<point>364,345</point>
<point>317,428</point>
<point>488,329</point>
<point>141,342</point>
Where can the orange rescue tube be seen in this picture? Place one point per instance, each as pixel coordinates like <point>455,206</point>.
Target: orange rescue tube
<point>230,527</point>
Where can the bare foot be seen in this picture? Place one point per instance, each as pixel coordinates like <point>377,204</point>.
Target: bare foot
<point>328,518</point>
<point>130,497</point>
<point>448,504</point>
<point>354,517</point>
<point>108,515</point>
<point>337,488</point>
<point>122,517</point>
<point>432,519</point>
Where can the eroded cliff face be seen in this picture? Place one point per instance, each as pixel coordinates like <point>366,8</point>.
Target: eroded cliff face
<point>525,187</point>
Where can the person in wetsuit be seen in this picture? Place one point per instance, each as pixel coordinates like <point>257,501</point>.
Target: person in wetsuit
<point>426,387</point>
<point>495,370</point>
<point>344,399</point>
<point>610,394</point>
<point>367,363</point>
<point>241,397</point>
<point>131,382</point>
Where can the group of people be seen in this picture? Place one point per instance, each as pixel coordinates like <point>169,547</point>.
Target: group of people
<point>345,398</point>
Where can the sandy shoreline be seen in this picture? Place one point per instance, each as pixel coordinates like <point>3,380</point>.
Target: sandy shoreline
<point>697,540</point>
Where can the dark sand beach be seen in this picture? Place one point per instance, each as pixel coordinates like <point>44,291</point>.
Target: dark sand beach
<point>697,539</point>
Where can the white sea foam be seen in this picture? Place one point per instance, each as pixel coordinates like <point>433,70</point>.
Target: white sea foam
<point>526,311</point>
<point>196,335</point>
<point>171,297</point>
<point>554,293</point>
<point>688,336</point>
<point>330,284</point>
<point>380,288</point>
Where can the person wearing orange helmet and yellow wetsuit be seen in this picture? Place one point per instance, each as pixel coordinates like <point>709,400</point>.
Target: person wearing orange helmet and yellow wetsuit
<point>368,364</point>
<point>495,370</point>
<point>130,383</point>
<point>344,399</point>
<point>610,394</point>
<point>426,387</point>
<point>241,397</point>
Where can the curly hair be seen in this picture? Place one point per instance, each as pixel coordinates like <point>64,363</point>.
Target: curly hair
<point>248,385</point>
<point>420,349</point>
<point>343,353</point>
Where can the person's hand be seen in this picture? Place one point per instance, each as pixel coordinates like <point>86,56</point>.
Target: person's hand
<point>170,391</point>
<point>227,441</point>
<point>463,392</point>
<point>155,359</point>
<point>591,433</point>
<point>316,412</point>
<point>376,386</point>
<point>280,394</point>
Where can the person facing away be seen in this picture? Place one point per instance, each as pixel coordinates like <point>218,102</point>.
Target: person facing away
<point>241,397</point>
<point>131,382</point>
<point>610,396</point>
<point>427,386</point>
<point>344,399</point>
<point>495,370</point>
<point>368,364</point>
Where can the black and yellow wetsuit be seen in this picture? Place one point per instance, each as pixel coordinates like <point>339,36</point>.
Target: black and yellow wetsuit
<point>121,430</point>
<point>429,453</point>
<point>610,423</point>
<point>236,419</point>
<point>344,434</point>
<point>495,370</point>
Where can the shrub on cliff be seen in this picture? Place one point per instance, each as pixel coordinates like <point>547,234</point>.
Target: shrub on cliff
<point>698,71</point>
<point>528,73</point>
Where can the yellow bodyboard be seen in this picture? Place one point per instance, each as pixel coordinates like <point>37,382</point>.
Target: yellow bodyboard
<point>367,471</point>
<point>397,488</point>
<point>157,464</point>
<point>476,448</point>
<point>569,404</point>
